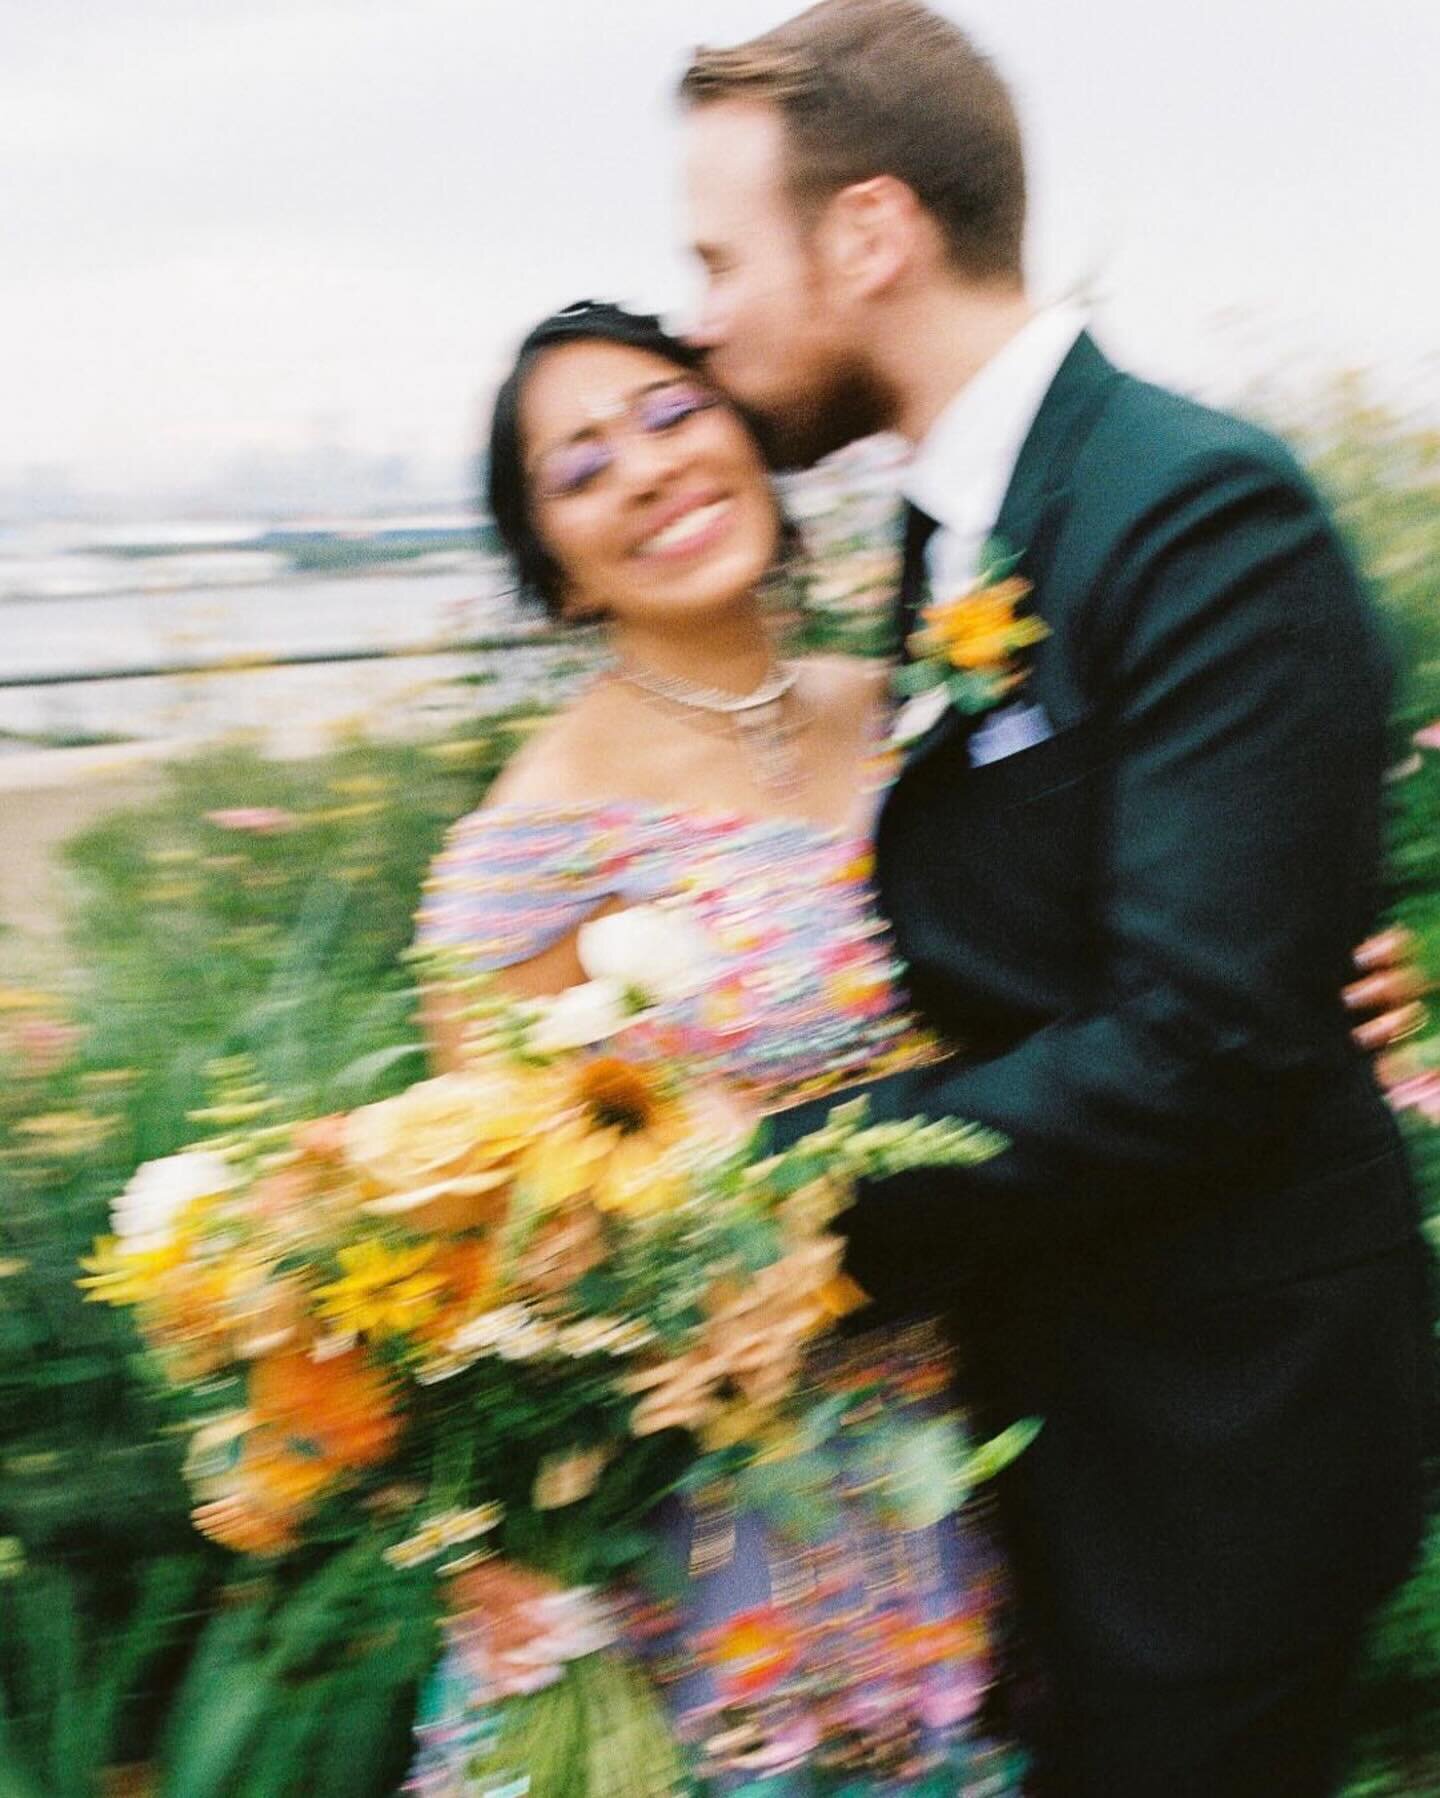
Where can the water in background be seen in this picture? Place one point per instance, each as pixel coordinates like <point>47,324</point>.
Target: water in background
<point>64,609</point>
<point>79,598</point>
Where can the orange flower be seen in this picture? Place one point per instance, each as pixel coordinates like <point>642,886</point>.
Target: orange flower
<point>979,630</point>
<point>256,1485</point>
<point>246,1526</point>
<point>465,1272</point>
<point>335,1410</point>
<point>309,1423</point>
<point>753,1651</point>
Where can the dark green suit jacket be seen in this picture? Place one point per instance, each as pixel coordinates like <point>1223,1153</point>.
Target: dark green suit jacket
<point>1198,1258</point>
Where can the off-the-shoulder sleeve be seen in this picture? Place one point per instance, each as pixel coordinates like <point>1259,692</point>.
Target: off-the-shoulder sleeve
<point>513,880</point>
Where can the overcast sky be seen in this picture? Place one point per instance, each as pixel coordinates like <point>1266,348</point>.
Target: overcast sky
<point>257,224</point>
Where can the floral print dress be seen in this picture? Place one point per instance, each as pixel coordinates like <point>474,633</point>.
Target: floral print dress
<point>854,1663</point>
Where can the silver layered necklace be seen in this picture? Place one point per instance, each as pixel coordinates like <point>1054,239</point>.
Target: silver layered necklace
<point>757,719</point>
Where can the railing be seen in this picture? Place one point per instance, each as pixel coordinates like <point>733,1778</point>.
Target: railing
<point>257,662</point>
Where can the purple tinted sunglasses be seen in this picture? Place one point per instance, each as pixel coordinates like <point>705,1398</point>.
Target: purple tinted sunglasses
<point>571,467</point>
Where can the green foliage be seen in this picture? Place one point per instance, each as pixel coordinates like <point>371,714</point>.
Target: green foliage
<point>303,1683</point>
<point>1383,479</point>
<point>262,908</point>
<point>258,910</point>
<point>75,1658</point>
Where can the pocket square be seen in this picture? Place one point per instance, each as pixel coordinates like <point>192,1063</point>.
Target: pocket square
<point>1008,731</point>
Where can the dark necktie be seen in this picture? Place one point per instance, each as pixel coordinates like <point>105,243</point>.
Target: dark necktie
<point>920,527</point>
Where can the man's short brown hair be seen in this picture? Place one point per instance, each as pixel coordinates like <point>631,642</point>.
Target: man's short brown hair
<point>887,87</point>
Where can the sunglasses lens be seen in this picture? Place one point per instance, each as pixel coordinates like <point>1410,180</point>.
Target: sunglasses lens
<point>671,406</point>
<point>573,467</point>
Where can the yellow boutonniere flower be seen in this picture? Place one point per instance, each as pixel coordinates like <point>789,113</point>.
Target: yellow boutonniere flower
<point>966,652</point>
<point>979,630</point>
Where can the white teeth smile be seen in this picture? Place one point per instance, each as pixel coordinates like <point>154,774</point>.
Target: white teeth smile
<point>682,531</point>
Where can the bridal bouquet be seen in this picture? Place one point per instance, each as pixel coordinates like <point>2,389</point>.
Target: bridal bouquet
<point>488,1324</point>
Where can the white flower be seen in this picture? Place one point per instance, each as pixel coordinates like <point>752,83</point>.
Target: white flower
<point>605,1336</point>
<point>917,715</point>
<point>143,1216</point>
<point>512,1332</point>
<point>583,1014</point>
<point>658,951</point>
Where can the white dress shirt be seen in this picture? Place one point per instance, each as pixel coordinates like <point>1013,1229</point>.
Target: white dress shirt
<point>962,467</point>
<point>959,475</point>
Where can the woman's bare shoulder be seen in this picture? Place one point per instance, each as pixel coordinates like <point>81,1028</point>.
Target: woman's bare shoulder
<point>558,764</point>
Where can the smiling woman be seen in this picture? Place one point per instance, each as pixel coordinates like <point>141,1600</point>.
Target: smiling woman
<point>703,784</point>
<point>600,404</point>
<point>647,488</point>
<point>628,490</point>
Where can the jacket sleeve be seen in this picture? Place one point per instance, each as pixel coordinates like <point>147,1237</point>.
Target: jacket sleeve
<point>1246,689</point>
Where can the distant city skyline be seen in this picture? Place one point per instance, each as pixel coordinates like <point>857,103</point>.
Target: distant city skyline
<point>287,243</point>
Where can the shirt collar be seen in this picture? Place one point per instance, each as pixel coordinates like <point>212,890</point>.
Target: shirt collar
<point>964,464</point>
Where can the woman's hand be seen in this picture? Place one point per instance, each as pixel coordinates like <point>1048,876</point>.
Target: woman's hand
<point>1388,1000</point>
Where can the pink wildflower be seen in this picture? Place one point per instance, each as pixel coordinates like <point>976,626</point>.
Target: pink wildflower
<point>44,1044</point>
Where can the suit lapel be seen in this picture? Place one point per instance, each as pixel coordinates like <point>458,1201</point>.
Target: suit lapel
<point>1035,501</point>
<point>1051,448</point>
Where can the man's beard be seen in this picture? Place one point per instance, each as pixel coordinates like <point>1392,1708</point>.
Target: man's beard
<point>799,431</point>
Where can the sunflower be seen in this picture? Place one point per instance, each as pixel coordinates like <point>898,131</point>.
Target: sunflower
<point>625,1141</point>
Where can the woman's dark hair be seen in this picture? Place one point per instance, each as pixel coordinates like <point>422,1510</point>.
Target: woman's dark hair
<point>589,321</point>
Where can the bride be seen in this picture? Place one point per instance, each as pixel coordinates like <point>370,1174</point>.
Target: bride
<point>701,768</point>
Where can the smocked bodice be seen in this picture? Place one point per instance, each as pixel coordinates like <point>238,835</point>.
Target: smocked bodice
<point>800,988</point>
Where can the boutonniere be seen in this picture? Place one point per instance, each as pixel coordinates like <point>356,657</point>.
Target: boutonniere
<point>967,650</point>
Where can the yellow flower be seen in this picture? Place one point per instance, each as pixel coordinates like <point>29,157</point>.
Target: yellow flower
<point>119,1276</point>
<point>65,1132</point>
<point>382,1291</point>
<point>442,1155</point>
<point>16,998</point>
<point>978,630</point>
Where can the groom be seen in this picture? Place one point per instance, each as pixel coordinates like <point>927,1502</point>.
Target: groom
<point>1128,887</point>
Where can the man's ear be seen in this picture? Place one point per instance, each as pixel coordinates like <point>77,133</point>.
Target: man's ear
<point>870,235</point>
